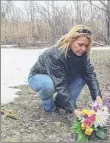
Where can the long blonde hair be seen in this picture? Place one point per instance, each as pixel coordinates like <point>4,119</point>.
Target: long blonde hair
<point>65,41</point>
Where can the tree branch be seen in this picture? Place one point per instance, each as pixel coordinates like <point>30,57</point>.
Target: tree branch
<point>96,6</point>
<point>105,5</point>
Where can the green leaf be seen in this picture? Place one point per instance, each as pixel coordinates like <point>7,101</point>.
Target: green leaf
<point>85,138</point>
<point>76,127</point>
<point>101,134</point>
<point>82,137</point>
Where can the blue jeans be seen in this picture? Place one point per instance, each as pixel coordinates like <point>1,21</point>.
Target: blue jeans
<point>43,84</point>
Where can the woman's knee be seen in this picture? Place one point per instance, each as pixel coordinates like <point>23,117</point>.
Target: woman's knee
<point>42,84</point>
<point>47,89</point>
<point>33,84</point>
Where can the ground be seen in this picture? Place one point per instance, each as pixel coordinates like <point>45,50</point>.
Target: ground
<point>35,125</point>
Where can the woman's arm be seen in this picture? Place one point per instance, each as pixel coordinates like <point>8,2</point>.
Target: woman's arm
<point>89,76</point>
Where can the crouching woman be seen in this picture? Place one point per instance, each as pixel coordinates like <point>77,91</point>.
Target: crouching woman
<point>64,69</point>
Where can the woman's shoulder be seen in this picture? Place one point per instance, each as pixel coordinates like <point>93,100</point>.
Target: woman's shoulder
<point>53,50</point>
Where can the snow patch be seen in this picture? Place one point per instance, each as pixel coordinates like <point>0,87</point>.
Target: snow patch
<point>15,67</point>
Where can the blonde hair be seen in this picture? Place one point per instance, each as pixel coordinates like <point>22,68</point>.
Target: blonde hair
<point>65,41</point>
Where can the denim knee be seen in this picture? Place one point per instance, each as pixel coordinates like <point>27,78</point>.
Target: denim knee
<point>33,84</point>
<point>42,84</point>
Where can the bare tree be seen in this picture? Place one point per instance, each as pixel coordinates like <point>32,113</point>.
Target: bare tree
<point>105,8</point>
<point>48,22</point>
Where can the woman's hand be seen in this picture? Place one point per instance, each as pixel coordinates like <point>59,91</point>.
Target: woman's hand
<point>99,100</point>
<point>77,113</point>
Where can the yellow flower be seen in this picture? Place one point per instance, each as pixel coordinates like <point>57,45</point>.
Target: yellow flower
<point>88,131</point>
<point>85,112</point>
<point>83,126</point>
<point>91,113</point>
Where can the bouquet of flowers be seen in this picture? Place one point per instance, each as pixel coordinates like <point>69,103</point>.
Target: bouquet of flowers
<point>92,123</point>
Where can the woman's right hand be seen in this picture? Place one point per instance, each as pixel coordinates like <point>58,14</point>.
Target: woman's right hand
<point>99,100</point>
<point>77,113</point>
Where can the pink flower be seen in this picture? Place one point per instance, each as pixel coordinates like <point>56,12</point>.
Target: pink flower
<point>89,121</point>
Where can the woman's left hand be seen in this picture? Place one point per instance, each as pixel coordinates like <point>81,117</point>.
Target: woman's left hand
<point>77,113</point>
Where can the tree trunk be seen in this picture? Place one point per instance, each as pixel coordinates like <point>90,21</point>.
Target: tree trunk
<point>107,24</point>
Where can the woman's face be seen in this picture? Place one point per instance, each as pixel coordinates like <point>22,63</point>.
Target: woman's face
<point>80,45</point>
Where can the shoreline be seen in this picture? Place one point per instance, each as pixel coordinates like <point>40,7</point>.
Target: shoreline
<point>28,47</point>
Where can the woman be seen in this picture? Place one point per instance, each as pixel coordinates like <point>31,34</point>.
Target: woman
<point>64,69</point>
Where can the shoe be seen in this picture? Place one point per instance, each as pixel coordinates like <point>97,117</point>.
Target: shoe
<point>55,111</point>
<point>58,103</point>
